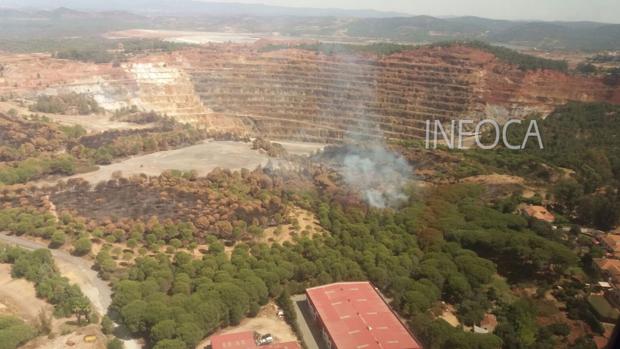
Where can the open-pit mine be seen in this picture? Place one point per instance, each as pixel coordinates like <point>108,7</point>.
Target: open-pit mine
<point>201,182</point>
<point>296,94</point>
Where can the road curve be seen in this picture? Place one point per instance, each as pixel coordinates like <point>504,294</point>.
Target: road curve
<point>78,271</point>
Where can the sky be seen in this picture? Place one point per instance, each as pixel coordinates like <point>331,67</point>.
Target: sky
<point>548,10</point>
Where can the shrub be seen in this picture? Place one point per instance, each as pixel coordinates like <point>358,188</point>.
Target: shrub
<point>115,343</point>
<point>14,332</point>
<point>82,246</point>
<point>58,239</point>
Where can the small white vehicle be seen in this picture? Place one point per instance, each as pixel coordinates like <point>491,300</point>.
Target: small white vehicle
<point>265,339</point>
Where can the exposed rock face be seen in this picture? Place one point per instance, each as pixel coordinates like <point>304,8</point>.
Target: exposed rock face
<point>168,90</point>
<point>296,94</point>
<point>302,95</point>
<point>163,85</point>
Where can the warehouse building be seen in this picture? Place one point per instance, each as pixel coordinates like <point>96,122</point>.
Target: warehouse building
<point>353,315</point>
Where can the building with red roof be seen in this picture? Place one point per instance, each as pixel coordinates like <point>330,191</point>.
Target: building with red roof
<point>240,340</point>
<point>246,340</point>
<point>353,315</point>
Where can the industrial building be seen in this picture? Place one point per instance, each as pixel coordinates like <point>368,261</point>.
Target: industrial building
<point>354,315</point>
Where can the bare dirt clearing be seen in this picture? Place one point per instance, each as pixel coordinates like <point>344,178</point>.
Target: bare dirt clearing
<point>203,158</point>
<point>73,340</point>
<point>18,297</point>
<point>186,37</point>
<point>38,71</point>
<point>78,271</point>
<point>267,321</point>
<point>449,315</point>
<point>495,179</point>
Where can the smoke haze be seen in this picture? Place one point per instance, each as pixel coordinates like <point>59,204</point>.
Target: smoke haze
<point>378,174</point>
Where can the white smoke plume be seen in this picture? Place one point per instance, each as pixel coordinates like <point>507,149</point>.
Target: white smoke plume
<point>378,174</point>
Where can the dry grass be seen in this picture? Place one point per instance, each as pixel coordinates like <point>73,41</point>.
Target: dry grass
<point>267,321</point>
<point>307,225</point>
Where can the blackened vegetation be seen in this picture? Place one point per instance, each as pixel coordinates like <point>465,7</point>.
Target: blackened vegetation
<point>70,103</point>
<point>34,147</point>
<point>444,244</point>
<point>416,255</point>
<point>274,150</point>
<point>134,115</point>
<point>228,205</point>
<point>103,147</point>
<point>19,137</point>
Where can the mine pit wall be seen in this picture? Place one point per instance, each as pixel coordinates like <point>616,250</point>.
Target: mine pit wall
<point>157,82</point>
<point>164,86</point>
<point>167,90</point>
<point>299,95</point>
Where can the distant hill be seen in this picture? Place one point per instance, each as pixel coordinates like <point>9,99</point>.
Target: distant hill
<point>193,8</point>
<point>546,35</point>
<point>563,35</point>
<point>90,17</point>
<point>65,13</point>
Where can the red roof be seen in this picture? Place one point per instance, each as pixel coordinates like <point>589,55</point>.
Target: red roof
<point>245,340</point>
<point>356,316</point>
<point>240,340</point>
<point>287,345</point>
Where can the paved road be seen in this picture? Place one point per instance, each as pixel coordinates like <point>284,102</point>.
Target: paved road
<point>79,271</point>
<point>309,332</point>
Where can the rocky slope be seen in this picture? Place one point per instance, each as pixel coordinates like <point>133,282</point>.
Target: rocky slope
<point>298,94</point>
<point>303,95</point>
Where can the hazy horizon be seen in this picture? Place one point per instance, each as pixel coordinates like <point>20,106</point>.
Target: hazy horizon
<point>546,10</point>
<point>605,11</point>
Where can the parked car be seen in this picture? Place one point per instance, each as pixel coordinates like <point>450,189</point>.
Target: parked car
<point>265,339</point>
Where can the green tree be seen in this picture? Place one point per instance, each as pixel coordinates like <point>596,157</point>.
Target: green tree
<point>82,246</point>
<point>190,333</point>
<point>80,307</point>
<point>165,329</point>
<point>115,343</point>
<point>58,239</point>
<point>170,344</point>
<point>134,314</point>
<point>107,325</point>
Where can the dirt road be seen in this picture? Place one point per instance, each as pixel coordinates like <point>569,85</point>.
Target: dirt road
<point>78,271</point>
